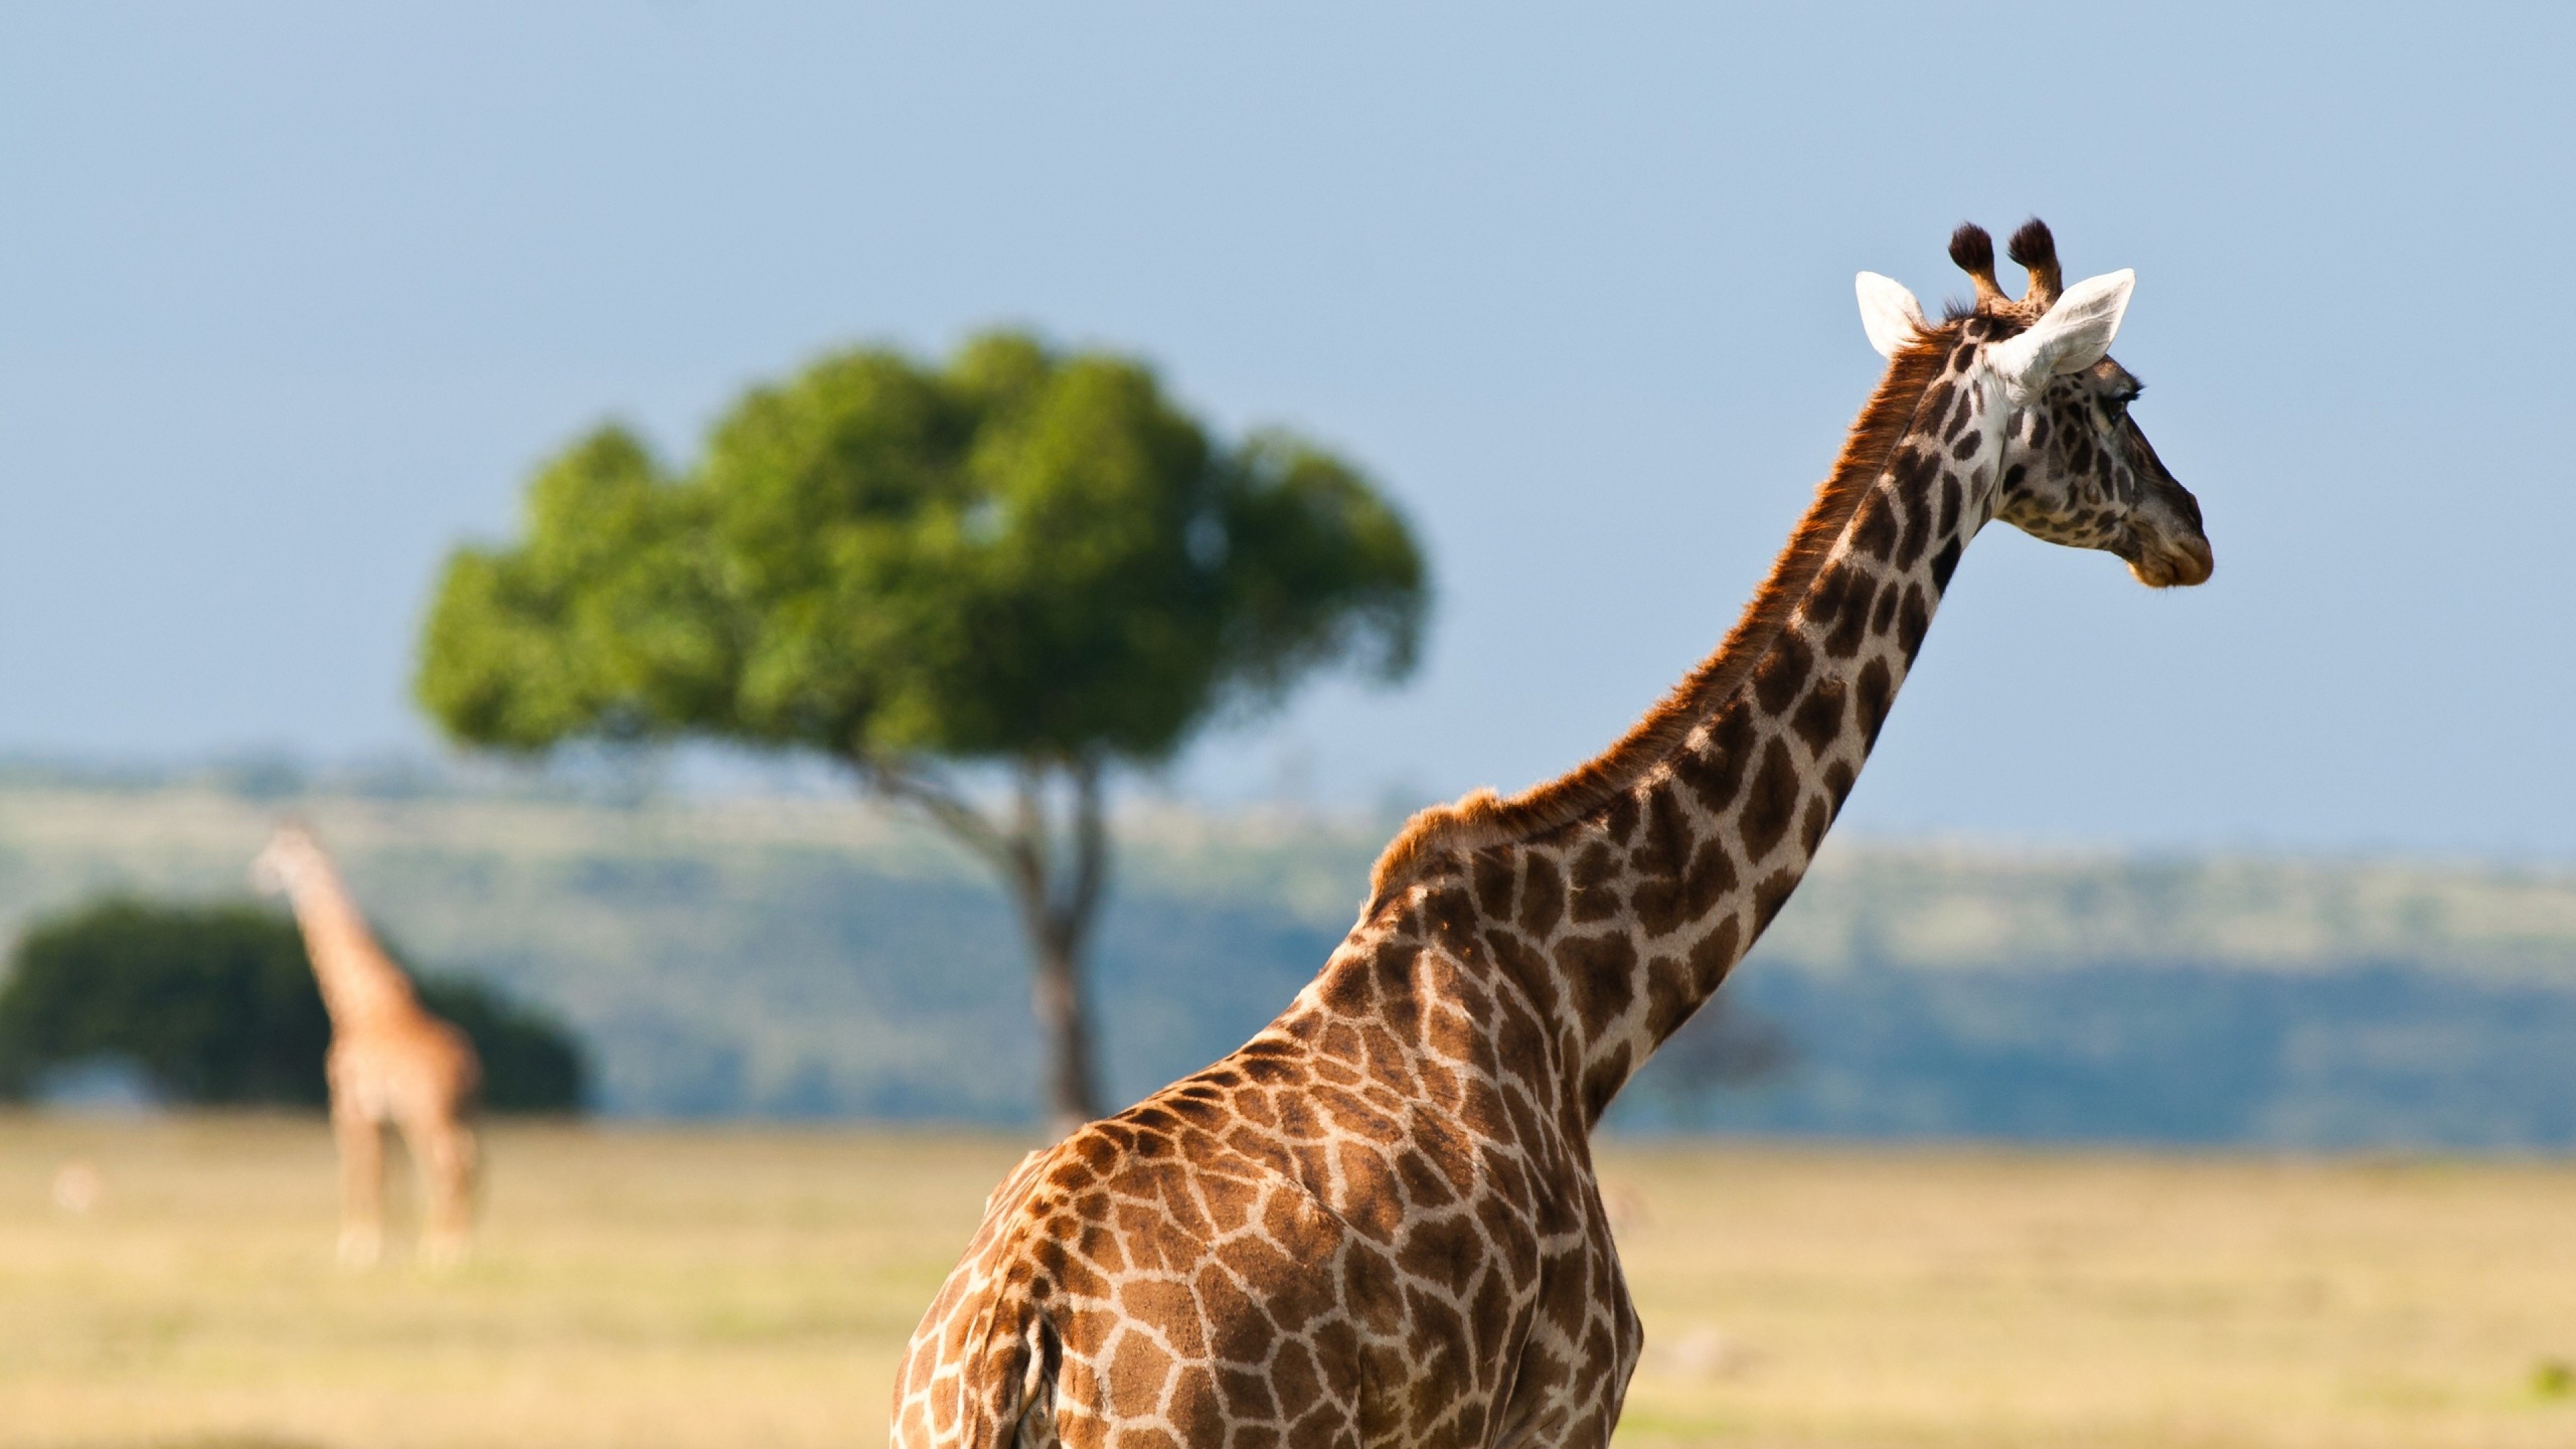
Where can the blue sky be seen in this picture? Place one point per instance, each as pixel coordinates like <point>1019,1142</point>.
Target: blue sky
<point>291,298</point>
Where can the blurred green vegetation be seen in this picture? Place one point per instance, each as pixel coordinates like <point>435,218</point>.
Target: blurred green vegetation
<point>215,1004</point>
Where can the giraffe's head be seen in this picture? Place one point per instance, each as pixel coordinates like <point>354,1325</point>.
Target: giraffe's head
<point>2075,467</point>
<point>289,859</point>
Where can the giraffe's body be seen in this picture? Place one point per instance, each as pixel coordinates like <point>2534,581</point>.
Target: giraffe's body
<point>391,1063</point>
<point>1377,1222</point>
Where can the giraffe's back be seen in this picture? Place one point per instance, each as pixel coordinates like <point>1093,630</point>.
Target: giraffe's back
<point>417,1070</point>
<point>1330,1265</point>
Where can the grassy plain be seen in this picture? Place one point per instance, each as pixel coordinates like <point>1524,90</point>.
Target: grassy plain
<point>679,1288</point>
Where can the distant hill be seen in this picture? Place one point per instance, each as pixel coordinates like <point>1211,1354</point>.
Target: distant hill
<point>787,957</point>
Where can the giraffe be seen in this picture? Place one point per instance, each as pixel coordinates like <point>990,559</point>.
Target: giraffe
<point>1377,1222</point>
<point>391,1062</point>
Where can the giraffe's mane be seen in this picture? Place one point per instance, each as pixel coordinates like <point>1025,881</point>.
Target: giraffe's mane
<point>1483,818</point>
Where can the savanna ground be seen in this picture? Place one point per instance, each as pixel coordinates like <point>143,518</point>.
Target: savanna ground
<point>679,1288</point>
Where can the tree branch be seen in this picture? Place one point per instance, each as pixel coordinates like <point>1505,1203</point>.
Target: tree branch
<point>899,781</point>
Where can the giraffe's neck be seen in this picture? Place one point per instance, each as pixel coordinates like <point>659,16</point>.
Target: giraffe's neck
<point>361,986</point>
<point>1617,921</point>
<point>1688,868</point>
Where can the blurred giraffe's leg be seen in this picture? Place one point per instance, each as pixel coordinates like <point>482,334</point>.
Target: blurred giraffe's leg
<point>362,1188</point>
<point>449,1156</point>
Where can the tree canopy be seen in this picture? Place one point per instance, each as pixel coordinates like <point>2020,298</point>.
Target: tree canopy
<point>1019,557</point>
<point>217,1005</point>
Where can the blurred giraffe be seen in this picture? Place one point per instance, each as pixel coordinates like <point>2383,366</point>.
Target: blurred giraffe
<point>391,1062</point>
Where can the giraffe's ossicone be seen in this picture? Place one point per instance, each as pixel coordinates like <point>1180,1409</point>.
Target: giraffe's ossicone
<point>1377,1223</point>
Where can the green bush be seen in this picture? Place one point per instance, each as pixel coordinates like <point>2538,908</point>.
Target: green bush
<point>531,1062</point>
<point>217,1005</point>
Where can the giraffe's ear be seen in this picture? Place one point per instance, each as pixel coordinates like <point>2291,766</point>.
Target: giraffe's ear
<point>1888,312</point>
<point>2069,337</point>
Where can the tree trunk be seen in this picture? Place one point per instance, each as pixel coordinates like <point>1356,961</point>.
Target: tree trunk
<point>1073,1096</point>
<point>1059,899</point>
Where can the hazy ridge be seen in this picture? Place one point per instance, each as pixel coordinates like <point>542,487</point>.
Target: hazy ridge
<point>807,957</point>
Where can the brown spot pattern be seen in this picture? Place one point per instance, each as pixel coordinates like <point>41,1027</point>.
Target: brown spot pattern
<point>1771,802</point>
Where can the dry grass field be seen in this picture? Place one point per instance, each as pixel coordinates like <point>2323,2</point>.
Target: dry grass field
<point>669,1288</point>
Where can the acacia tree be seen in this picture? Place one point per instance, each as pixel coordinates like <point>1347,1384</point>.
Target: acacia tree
<point>1022,561</point>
